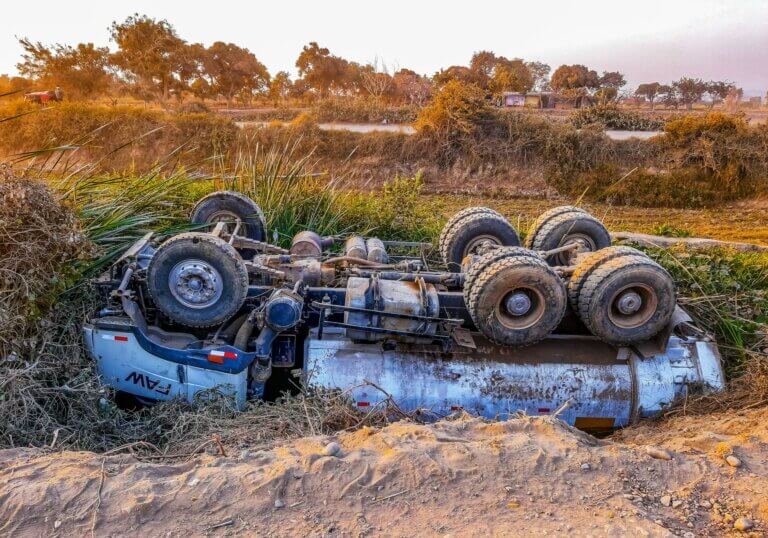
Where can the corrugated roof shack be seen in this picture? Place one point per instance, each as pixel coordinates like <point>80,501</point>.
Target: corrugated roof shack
<point>528,100</point>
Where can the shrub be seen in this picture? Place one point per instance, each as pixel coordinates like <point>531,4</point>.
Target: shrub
<point>612,117</point>
<point>455,118</point>
<point>362,109</point>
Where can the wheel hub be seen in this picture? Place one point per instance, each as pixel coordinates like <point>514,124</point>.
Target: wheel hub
<point>230,219</point>
<point>584,244</point>
<point>195,283</point>
<point>629,303</point>
<point>518,303</point>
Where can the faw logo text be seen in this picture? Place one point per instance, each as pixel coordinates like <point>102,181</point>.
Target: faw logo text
<point>147,382</point>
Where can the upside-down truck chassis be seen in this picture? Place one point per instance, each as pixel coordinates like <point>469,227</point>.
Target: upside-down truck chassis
<point>391,331</point>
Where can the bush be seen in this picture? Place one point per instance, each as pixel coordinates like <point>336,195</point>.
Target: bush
<point>612,117</point>
<point>117,137</point>
<point>362,109</point>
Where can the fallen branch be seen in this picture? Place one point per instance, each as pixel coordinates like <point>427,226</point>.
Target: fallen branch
<point>691,242</point>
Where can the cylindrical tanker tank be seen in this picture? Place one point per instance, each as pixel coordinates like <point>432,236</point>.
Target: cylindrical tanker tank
<point>594,386</point>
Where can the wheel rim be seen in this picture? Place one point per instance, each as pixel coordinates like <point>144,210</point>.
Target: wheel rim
<point>632,306</point>
<point>520,308</point>
<point>228,217</point>
<point>476,242</point>
<point>585,243</point>
<point>195,283</point>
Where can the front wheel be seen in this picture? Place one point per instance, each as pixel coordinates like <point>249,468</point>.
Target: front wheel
<point>197,280</point>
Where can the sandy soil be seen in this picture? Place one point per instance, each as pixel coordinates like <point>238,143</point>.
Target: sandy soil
<point>461,477</point>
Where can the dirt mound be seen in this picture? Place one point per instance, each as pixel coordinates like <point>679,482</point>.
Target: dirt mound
<point>529,476</point>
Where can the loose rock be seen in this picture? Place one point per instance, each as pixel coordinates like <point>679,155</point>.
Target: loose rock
<point>279,503</point>
<point>585,467</point>
<point>742,524</point>
<point>658,453</point>
<point>666,500</point>
<point>331,449</point>
<point>733,461</point>
<point>677,503</point>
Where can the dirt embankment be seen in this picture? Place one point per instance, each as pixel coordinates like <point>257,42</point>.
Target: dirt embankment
<point>462,477</point>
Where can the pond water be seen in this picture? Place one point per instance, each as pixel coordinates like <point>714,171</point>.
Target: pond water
<point>408,129</point>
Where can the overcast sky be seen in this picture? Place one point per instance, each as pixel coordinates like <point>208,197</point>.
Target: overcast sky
<point>648,40</point>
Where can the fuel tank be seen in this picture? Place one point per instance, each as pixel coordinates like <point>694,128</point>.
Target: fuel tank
<point>593,385</point>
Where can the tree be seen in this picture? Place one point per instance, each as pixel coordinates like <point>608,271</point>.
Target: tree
<point>649,90</point>
<point>510,76</point>
<point>376,81</point>
<point>574,77</point>
<point>410,87</point>
<point>232,70</point>
<point>718,89</point>
<point>461,74</point>
<point>483,63</point>
<point>152,57</point>
<point>82,71</point>
<point>668,95</point>
<point>322,71</point>
<point>540,73</point>
<point>280,86</point>
<point>612,79</point>
<point>689,91</point>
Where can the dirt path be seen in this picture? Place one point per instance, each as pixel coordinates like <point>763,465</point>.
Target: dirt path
<point>464,477</point>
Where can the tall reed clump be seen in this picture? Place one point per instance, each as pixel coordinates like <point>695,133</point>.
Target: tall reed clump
<point>727,293</point>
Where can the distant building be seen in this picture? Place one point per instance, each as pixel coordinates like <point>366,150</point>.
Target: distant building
<point>528,100</point>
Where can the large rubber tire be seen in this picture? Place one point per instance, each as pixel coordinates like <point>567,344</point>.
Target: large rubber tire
<point>179,263</point>
<point>469,232</point>
<point>488,296</point>
<point>600,296</point>
<point>230,205</point>
<point>587,262</point>
<point>565,228</point>
<point>479,265</point>
<point>467,211</point>
<point>542,219</point>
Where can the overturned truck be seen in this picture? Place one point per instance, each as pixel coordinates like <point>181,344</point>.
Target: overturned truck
<point>567,324</point>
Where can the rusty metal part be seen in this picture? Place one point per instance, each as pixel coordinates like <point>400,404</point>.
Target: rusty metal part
<point>354,247</point>
<point>412,300</point>
<point>308,243</point>
<point>377,252</point>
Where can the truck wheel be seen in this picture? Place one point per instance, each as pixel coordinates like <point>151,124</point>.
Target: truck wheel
<point>459,216</point>
<point>466,235</point>
<point>228,206</point>
<point>517,301</point>
<point>627,300</point>
<point>569,228</point>
<point>586,264</point>
<point>197,280</point>
<point>481,263</point>
<point>545,217</point>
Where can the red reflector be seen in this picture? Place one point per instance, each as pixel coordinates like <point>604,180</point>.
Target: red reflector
<point>544,410</point>
<point>363,404</point>
<point>219,356</point>
<point>121,338</point>
<point>456,407</point>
